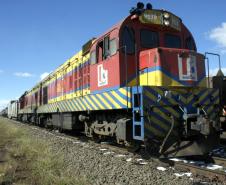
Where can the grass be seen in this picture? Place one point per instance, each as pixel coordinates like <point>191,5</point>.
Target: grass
<point>26,160</point>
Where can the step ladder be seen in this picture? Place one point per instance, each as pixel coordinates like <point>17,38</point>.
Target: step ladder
<point>138,113</point>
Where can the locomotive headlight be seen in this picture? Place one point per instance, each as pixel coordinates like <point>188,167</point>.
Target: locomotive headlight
<point>166,22</point>
<point>166,15</point>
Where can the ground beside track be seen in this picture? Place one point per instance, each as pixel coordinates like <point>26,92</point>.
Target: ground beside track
<point>39,153</point>
<point>27,160</point>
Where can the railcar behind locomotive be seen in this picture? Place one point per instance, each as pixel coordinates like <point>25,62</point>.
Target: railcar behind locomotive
<point>141,82</point>
<point>13,109</point>
<point>219,82</point>
<point>4,112</point>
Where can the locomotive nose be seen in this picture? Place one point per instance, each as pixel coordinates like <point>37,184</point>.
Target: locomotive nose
<point>175,67</point>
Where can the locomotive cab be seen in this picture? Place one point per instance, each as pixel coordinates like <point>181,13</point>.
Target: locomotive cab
<point>169,80</point>
<point>153,53</point>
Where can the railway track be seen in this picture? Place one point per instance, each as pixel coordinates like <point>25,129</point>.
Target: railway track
<point>214,175</point>
<point>219,161</point>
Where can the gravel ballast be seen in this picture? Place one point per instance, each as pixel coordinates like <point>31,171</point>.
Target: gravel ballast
<point>102,165</point>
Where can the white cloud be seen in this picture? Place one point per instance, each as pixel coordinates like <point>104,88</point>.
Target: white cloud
<point>25,75</point>
<point>218,35</point>
<point>43,75</point>
<point>213,72</point>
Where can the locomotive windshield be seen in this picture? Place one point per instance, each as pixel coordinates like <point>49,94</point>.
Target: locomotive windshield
<point>149,39</point>
<point>172,41</point>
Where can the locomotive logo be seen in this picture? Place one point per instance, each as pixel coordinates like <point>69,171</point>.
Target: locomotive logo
<point>102,75</point>
<point>187,68</point>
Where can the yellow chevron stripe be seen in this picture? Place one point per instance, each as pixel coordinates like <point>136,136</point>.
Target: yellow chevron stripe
<point>124,102</point>
<point>52,107</point>
<point>68,108</point>
<point>171,110</point>
<point>195,91</point>
<point>203,83</point>
<point>90,101</point>
<point>59,106</point>
<point>151,96</point>
<point>104,101</point>
<point>49,107</point>
<point>182,99</point>
<point>163,115</point>
<point>215,94</point>
<point>111,100</point>
<point>87,105</point>
<point>71,105</point>
<point>63,105</point>
<point>154,130</point>
<point>160,123</point>
<point>55,106</point>
<point>171,100</point>
<point>190,98</point>
<point>76,103</point>
<point>97,102</point>
<point>124,92</point>
<point>202,97</point>
<point>81,104</point>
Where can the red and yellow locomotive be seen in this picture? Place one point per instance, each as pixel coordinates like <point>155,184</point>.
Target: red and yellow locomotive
<point>140,82</point>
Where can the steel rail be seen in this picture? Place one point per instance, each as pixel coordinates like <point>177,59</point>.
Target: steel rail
<point>219,161</point>
<point>215,175</point>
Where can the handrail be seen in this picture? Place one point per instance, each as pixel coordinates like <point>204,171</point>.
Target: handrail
<point>126,66</point>
<point>216,54</point>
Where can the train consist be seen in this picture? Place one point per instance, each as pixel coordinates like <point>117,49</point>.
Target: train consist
<point>219,82</point>
<point>140,83</point>
<point>4,112</point>
<point>12,109</point>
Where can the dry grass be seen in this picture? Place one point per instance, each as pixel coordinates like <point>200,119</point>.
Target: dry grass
<point>25,160</point>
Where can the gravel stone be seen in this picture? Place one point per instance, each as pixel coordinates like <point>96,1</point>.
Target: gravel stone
<point>88,159</point>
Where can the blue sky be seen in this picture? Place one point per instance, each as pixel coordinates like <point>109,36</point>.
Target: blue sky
<point>36,36</point>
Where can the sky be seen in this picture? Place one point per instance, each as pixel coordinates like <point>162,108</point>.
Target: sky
<point>36,36</point>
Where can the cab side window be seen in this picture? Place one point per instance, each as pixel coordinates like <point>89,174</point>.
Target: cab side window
<point>113,47</point>
<point>93,58</point>
<point>105,49</point>
<point>100,49</point>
